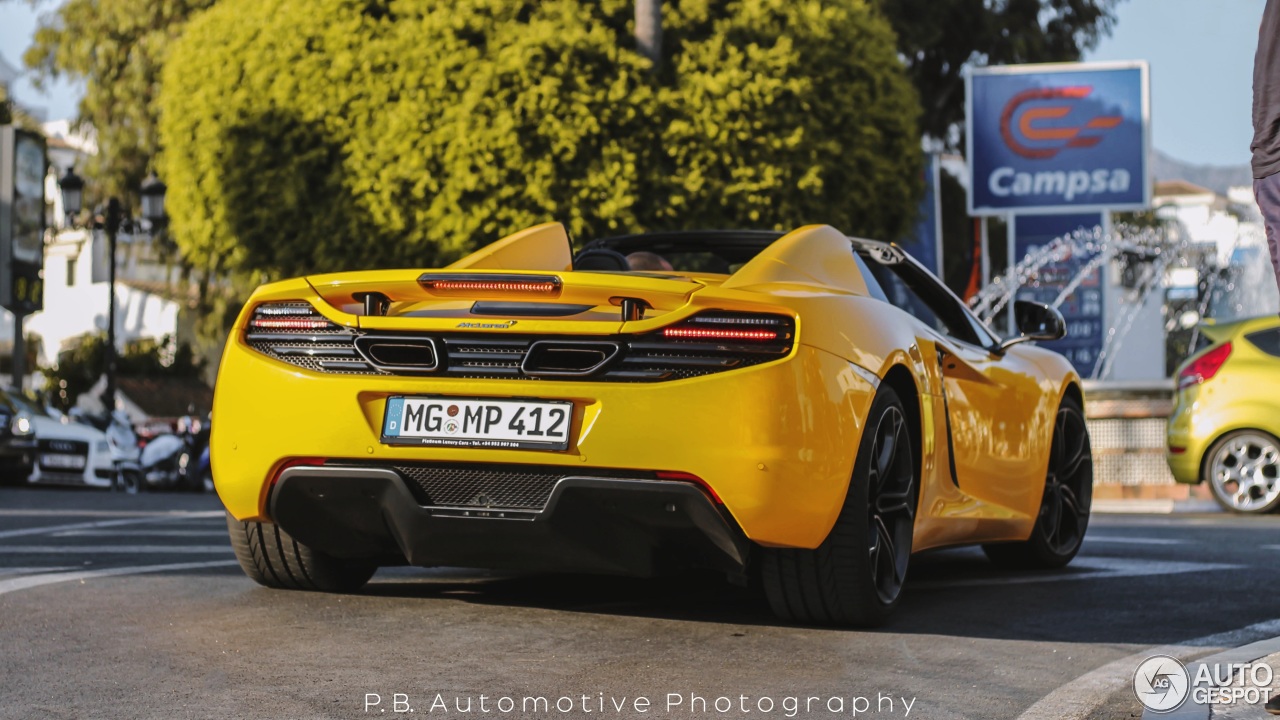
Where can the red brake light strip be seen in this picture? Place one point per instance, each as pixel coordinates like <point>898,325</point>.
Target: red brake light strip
<point>289,323</point>
<point>502,286</point>
<point>708,334</point>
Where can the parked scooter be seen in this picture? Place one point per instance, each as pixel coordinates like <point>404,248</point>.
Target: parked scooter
<point>125,454</point>
<point>169,460</point>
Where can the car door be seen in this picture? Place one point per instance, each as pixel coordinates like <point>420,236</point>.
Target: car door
<point>993,402</point>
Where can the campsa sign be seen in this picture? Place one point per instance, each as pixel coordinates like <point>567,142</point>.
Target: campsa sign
<point>1058,138</point>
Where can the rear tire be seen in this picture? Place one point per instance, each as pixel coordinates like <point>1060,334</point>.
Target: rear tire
<point>1064,507</point>
<point>855,576</point>
<point>273,559</point>
<point>1242,469</point>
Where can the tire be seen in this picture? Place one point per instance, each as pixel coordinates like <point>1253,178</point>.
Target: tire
<point>128,481</point>
<point>273,559</point>
<point>1064,506</point>
<point>855,576</point>
<point>14,474</point>
<point>1242,470</point>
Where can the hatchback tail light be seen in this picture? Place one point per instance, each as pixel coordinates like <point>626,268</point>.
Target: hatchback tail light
<point>1204,367</point>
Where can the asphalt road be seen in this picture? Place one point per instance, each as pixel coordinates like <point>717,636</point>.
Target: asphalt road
<point>117,606</point>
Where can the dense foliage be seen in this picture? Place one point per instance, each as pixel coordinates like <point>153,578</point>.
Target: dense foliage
<point>938,38</point>
<point>356,133</point>
<point>116,49</point>
<point>81,366</point>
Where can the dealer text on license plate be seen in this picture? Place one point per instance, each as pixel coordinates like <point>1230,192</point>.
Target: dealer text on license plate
<point>478,422</point>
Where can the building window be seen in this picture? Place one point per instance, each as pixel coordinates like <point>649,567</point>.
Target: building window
<point>71,272</point>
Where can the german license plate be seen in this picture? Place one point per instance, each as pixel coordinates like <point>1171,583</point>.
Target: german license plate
<point>478,422</point>
<point>63,462</point>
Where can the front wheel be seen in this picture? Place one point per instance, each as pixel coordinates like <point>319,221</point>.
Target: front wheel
<point>855,576</point>
<point>1064,508</point>
<point>271,558</point>
<point>1243,471</point>
<point>128,481</point>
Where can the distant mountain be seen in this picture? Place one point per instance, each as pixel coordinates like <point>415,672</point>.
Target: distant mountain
<point>1214,177</point>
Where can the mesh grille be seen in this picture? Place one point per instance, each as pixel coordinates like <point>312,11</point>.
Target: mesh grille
<point>77,447</point>
<point>1127,434</point>
<point>1129,451</point>
<point>516,487</point>
<point>506,487</point>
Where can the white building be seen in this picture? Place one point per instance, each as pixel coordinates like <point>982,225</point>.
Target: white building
<point>76,290</point>
<point>1228,230</point>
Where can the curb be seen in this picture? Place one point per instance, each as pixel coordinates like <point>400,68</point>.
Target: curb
<point>1155,506</point>
<point>1191,710</point>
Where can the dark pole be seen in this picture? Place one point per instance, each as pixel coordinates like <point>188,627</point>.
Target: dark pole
<point>19,350</point>
<point>113,229</point>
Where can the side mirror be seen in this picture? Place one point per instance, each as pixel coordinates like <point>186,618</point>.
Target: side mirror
<point>1035,321</point>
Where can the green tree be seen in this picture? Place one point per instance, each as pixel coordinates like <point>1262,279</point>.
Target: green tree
<point>116,49</point>
<point>302,137</point>
<point>81,366</point>
<point>12,113</point>
<point>939,38</point>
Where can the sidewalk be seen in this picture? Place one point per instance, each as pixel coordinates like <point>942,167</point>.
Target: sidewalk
<point>1155,498</point>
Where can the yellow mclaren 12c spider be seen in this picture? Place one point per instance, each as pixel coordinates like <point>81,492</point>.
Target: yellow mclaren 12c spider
<point>807,407</point>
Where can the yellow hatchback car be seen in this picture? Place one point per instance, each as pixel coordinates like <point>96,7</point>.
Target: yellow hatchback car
<point>1226,416</point>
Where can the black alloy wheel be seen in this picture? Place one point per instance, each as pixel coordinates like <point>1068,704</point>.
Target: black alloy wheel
<point>1068,495</point>
<point>891,511</point>
<point>855,576</point>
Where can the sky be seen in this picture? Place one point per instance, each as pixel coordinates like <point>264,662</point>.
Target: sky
<point>1200,53</point>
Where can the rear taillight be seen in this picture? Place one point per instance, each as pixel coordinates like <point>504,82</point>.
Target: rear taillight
<point>734,327</point>
<point>1204,367</point>
<point>693,480</point>
<point>290,317</point>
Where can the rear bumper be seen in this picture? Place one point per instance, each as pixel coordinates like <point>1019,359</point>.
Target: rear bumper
<point>590,523</point>
<point>775,442</point>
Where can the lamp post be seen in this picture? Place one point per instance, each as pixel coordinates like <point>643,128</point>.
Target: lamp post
<point>152,192</point>
<point>72,187</point>
<point>111,223</point>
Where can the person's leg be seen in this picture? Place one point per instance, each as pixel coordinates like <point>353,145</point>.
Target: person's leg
<point>1267,192</point>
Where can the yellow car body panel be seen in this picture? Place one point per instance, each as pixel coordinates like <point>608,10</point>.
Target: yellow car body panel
<point>775,442</point>
<point>1242,395</point>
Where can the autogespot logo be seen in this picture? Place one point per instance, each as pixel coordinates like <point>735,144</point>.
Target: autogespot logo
<point>1036,136</point>
<point>1161,683</point>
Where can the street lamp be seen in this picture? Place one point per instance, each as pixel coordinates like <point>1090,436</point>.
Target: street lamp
<point>111,223</point>
<point>72,187</point>
<point>152,192</point>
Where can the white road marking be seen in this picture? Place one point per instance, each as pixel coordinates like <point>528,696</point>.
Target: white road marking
<point>30,581</point>
<point>29,570</point>
<point>1086,568</point>
<point>41,512</point>
<point>112,549</point>
<point>142,533</point>
<point>166,517</point>
<point>1080,697</point>
<point>1120,539</point>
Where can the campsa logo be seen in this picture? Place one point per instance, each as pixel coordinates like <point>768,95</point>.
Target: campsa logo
<point>1037,137</point>
<point>1039,124</point>
<point>485,326</point>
